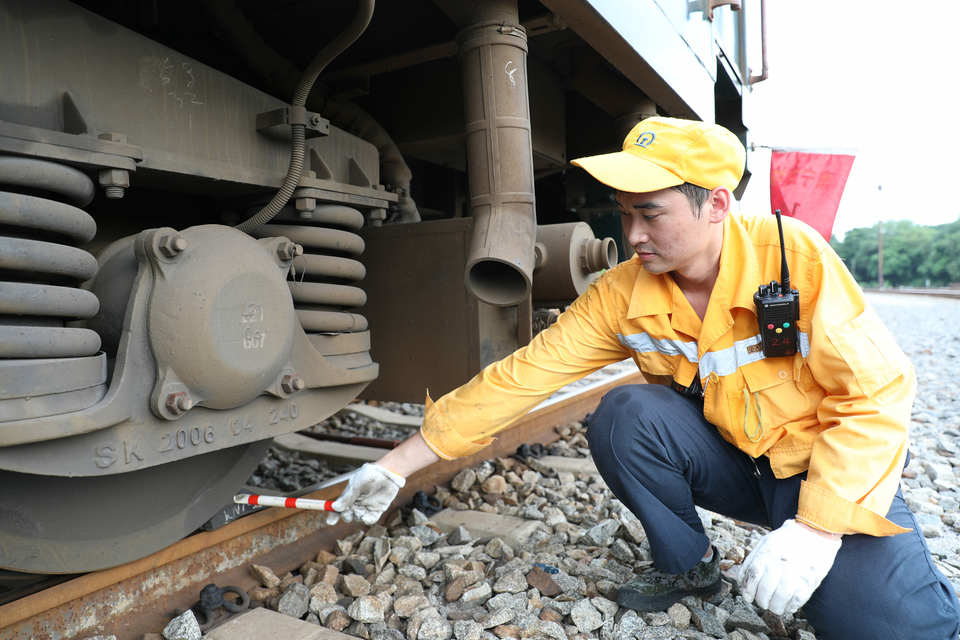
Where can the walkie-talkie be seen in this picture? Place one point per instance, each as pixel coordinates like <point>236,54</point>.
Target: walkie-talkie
<point>778,310</point>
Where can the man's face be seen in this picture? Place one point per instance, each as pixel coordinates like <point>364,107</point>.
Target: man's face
<point>665,233</point>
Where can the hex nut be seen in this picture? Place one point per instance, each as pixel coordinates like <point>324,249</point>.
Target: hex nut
<point>292,383</point>
<point>289,250</point>
<point>114,178</point>
<point>172,245</point>
<point>179,403</point>
<point>113,137</point>
<point>305,204</point>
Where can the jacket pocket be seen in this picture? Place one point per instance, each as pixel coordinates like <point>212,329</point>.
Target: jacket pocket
<point>766,403</point>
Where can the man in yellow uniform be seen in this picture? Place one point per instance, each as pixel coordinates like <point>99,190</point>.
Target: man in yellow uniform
<point>810,444</point>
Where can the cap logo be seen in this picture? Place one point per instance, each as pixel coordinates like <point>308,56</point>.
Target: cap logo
<point>645,139</point>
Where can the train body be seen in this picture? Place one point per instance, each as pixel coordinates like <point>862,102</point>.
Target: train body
<point>203,246</point>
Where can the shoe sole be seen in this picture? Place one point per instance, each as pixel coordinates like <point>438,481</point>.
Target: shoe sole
<point>632,600</point>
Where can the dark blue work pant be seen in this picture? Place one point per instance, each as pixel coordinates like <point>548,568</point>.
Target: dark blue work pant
<point>660,457</point>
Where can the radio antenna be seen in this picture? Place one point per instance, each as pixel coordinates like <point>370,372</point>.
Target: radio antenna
<point>784,271</point>
<point>778,310</point>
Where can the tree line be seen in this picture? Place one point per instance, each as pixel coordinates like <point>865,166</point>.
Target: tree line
<point>913,255</point>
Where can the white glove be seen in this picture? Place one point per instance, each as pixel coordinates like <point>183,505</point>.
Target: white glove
<point>786,567</point>
<point>368,494</point>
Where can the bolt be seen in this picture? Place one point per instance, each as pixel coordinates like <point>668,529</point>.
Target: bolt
<point>292,383</point>
<point>305,206</point>
<point>179,403</point>
<point>289,250</point>
<point>114,181</point>
<point>315,120</point>
<point>172,245</point>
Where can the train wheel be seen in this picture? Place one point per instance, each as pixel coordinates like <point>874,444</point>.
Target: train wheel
<point>51,524</point>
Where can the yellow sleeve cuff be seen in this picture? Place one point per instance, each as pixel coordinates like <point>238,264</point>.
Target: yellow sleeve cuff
<point>443,439</point>
<point>825,510</point>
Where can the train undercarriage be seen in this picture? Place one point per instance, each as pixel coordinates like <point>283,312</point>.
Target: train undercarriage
<point>223,221</point>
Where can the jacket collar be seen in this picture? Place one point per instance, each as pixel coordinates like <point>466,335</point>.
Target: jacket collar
<point>739,269</point>
<point>652,294</point>
<point>736,283</point>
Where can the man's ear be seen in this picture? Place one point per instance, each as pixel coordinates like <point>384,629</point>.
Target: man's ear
<point>718,204</point>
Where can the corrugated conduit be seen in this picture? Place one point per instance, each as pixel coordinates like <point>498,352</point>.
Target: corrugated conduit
<point>298,143</point>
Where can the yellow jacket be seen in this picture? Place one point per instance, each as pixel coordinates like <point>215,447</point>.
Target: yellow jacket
<point>840,407</point>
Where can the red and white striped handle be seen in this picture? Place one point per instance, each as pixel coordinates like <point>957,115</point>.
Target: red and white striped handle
<point>289,503</point>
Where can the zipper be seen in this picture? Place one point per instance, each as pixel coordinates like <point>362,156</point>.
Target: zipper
<point>756,469</point>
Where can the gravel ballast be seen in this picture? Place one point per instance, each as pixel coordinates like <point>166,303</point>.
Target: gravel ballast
<point>417,580</point>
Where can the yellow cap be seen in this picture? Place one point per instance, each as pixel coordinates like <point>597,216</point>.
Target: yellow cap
<point>665,152</point>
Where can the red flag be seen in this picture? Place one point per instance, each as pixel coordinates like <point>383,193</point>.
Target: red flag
<point>808,186</point>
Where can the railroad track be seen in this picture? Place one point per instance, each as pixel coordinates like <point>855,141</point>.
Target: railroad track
<point>139,597</point>
<point>937,293</point>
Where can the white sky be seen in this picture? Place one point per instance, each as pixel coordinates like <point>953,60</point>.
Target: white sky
<point>881,77</point>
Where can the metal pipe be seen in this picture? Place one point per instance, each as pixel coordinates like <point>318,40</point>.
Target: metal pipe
<point>764,70</point>
<point>629,119</point>
<point>493,61</point>
<point>546,23</point>
<point>734,6</point>
<point>598,254</point>
<point>568,256</point>
<point>283,76</point>
<point>298,142</point>
<point>395,175</point>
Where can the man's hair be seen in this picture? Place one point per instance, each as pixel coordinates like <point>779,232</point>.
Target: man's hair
<point>695,195</point>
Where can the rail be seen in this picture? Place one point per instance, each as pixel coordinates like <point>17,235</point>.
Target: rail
<point>138,597</point>
<point>920,291</point>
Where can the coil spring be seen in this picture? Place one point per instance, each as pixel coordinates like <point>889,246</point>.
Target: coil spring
<point>37,260</point>
<point>323,287</point>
